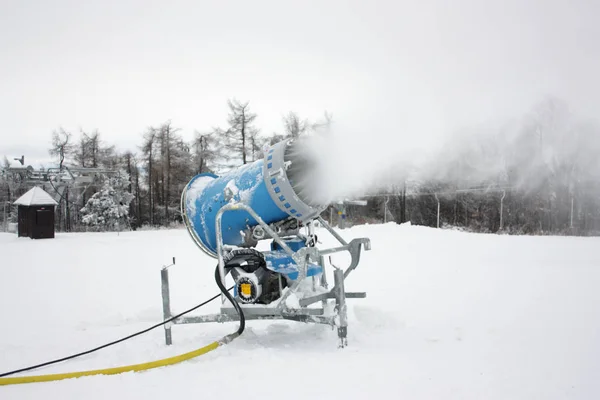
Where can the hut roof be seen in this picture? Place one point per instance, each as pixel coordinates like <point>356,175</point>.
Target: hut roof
<point>36,197</point>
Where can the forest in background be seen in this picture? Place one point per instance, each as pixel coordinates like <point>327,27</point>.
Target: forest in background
<point>536,174</point>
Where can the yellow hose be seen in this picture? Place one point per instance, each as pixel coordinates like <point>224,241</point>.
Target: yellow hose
<point>115,370</point>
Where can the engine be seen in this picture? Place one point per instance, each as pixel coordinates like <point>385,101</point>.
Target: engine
<point>254,283</point>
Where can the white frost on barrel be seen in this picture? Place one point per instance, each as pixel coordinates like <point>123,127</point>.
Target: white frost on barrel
<point>194,191</point>
<point>244,195</point>
<point>233,189</point>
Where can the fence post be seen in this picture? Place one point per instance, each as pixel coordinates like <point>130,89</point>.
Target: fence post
<point>572,202</point>
<point>166,301</point>
<point>502,209</point>
<point>385,210</point>
<point>438,209</point>
<point>331,215</point>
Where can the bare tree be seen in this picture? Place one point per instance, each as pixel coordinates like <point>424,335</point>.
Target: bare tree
<point>256,145</point>
<point>94,147</point>
<point>131,166</point>
<point>92,152</point>
<point>238,135</point>
<point>61,145</point>
<point>81,151</point>
<point>322,124</point>
<point>167,136</point>
<point>148,151</point>
<point>207,149</point>
<point>294,126</point>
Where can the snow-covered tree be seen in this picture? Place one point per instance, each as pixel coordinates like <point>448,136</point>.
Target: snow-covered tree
<point>109,208</point>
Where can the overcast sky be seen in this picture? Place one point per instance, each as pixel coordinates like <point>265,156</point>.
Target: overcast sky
<point>394,70</point>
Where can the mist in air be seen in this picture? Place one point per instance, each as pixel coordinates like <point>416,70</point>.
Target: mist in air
<point>341,166</point>
<point>548,146</point>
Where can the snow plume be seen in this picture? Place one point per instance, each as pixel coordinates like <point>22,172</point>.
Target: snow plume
<point>545,147</point>
<point>342,166</point>
<point>339,165</point>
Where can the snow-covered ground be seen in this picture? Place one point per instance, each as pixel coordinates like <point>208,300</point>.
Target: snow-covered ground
<point>449,315</point>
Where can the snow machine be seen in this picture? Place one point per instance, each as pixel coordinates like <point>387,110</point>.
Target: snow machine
<point>228,216</point>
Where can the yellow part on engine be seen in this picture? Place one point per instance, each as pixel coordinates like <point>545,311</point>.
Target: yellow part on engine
<point>246,289</point>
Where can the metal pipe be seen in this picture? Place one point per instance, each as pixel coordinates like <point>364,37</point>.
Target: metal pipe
<point>333,250</point>
<point>323,279</point>
<point>332,231</point>
<point>166,304</point>
<point>340,297</point>
<point>302,261</point>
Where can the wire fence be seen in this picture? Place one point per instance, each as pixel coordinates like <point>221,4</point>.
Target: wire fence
<point>497,210</point>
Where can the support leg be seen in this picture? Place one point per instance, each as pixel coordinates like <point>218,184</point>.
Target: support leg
<point>166,303</point>
<point>323,280</point>
<point>341,307</point>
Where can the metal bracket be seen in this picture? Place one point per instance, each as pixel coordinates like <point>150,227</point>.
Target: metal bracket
<point>330,295</point>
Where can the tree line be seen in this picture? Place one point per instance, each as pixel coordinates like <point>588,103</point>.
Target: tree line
<point>164,162</point>
<point>536,174</point>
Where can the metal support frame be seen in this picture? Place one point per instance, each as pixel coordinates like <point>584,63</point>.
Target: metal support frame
<point>166,301</point>
<point>279,309</point>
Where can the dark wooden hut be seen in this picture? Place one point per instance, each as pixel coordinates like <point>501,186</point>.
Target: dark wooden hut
<point>36,214</point>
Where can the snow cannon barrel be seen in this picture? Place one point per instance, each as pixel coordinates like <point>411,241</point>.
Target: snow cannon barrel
<point>273,187</point>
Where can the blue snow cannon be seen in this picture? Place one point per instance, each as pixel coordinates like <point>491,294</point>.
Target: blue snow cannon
<point>271,186</point>
<point>271,198</point>
<point>260,200</point>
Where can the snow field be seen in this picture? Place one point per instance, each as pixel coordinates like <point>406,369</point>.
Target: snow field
<point>448,315</point>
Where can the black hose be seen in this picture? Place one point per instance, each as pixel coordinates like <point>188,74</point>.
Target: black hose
<point>235,305</point>
<point>221,287</point>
